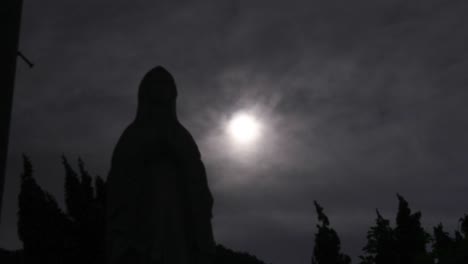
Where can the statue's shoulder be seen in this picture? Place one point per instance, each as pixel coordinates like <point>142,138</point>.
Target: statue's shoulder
<point>141,133</point>
<point>137,140</point>
<point>128,135</point>
<point>185,142</point>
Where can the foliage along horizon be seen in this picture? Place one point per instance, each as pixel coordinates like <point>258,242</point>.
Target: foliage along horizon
<point>76,235</point>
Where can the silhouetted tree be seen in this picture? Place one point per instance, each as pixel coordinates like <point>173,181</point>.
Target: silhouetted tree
<point>100,190</point>
<point>461,238</point>
<point>91,225</point>
<point>87,189</point>
<point>327,243</point>
<point>464,226</point>
<point>448,250</point>
<point>75,210</point>
<point>380,248</point>
<point>443,247</point>
<point>86,208</point>
<point>98,229</point>
<point>410,238</point>
<point>42,226</point>
<point>73,192</point>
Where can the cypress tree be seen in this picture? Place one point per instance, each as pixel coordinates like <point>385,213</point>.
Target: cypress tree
<point>87,190</point>
<point>443,246</point>
<point>411,239</point>
<point>42,225</point>
<point>380,248</point>
<point>99,227</point>
<point>461,241</point>
<point>327,243</point>
<point>100,187</point>
<point>86,207</point>
<point>73,192</point>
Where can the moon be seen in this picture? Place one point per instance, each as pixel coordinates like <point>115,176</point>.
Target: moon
<point>244,128</point>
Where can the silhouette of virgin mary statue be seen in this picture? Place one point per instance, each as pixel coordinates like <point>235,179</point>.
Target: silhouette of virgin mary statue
<point>159,205</point>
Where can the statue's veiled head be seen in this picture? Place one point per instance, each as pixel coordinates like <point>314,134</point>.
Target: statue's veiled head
<point>157,94</point>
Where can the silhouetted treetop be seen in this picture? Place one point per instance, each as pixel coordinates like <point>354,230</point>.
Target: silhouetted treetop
<point>380,247</point>
<point>321,215</point>
<point>327,249</point>
<point>411,239</point>
<point>86,183</point>
<point>464,226</point>
<point>42,225</point>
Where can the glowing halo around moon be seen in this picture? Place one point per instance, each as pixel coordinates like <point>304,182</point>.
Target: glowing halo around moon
<point>244,128</point>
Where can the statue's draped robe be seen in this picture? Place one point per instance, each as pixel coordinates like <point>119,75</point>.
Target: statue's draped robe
<point>158,201</point>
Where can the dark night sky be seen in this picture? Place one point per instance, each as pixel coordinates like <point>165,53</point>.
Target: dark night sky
<point>359,100</point>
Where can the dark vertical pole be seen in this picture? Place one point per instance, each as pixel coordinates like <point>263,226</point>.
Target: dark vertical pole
<point>12,16</point>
